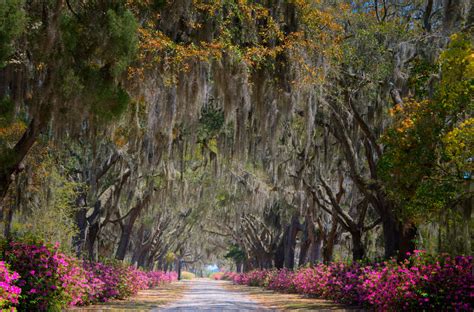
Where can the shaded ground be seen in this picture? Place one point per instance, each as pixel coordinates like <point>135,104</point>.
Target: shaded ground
<point>210,295</point>
<point>146,300</point>
<point>287,302</point>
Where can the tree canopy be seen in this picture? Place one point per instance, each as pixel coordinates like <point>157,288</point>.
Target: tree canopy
<point>247,132</point>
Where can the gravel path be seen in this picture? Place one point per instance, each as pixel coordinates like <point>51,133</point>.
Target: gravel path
<point>210,295</point>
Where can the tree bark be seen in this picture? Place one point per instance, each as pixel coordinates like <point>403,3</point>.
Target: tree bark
<point>17,154</point>
<point>391,236</point>
<point>358,250</point>
<point>80,237</point>
<point>279,257</point>
<point>399,238</point>
<point>408,234</point>
<point>290,243</point>
<point>316,240</point>
<point>92,243</point>
<point>128,228</point>
<point>126,234</point>
<point>305,244</point>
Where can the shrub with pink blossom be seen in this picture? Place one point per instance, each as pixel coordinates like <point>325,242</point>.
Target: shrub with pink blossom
<point>421,282</point>
<point>73,278</point>
<point>217,276</point>
<point>9,293</point>
<point>44,275</point>
<point>281,280</point>
<point>157,278</point>
<point>254,278</point>
<point>106,280</point>
<point>50,280</point>
<point>229,276</point>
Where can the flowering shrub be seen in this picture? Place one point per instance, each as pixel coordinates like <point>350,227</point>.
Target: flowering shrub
<point>424,283</point>
<point>43,275</point>
<point>116,280</point>
<point>217,276</point>
<point>157,278</point>
<point>9,293</point>
<point>281,280</point>
<point>253,278</point>
<point>50,280</point>
<point>73,279</point>
<point>229,276</point>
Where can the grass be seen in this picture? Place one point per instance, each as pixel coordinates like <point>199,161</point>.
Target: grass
<point>288,302</point>
<point>144,301</point>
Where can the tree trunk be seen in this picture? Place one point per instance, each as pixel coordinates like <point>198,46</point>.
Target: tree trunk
<point>391,236</point>
<point>328,249</point>
<point>330,240</point>
<point>8,218</point>
<point>16,156</point>
<point>93,232</point>
<point>467,217</point>
<point>316,244</point>
<point>304,245</point>
<point>279,257</point>
<point>80,237</point>
<point>81,221</point>
<point>247,266</point>
<point>407,240</point>
<point>127,230</point>
<point>399,238</point>
<point>238,266</point>
<point>92,247</point>
<point>358,249</point>
<point>290,243</point>
<point>126,234</point>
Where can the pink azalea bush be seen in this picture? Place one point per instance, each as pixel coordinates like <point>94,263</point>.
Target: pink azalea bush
<point>217,276</point>
<point>157,278</point>
<point>9,293</point>
<point>281,280</point>
<point>44,275</point>
<point>420,283</point>
<point>45,279</point>
<point>229,276</point>
<point>253,278</point>
<point>114,280</point>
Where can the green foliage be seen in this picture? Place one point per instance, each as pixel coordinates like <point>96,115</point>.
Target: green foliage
<point>421,73</point>
<point>170,257</point>
<point>431,140</point>
<point>99,51</point>
<point>235,253</point>
<point>109,100</point>
<point>123,40</point>
<point>211,123</point>
<point>370,35</point>
<point>52,218</point>
<point>7,109</point>
<point>12,25</point>
<point>460,146</point>
<point>456,88</point>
